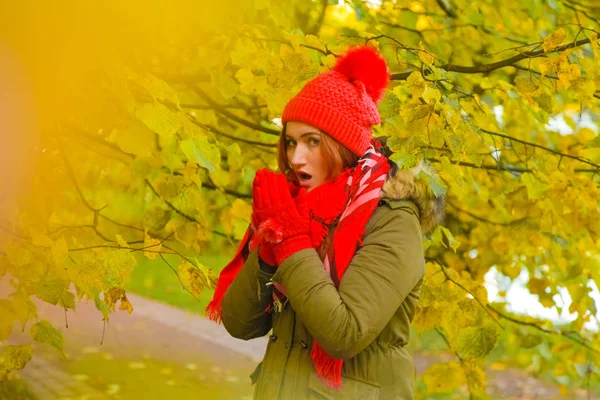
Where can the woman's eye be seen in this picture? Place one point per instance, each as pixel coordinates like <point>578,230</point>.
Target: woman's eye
<point>313,141</point>
<point>290,143</point>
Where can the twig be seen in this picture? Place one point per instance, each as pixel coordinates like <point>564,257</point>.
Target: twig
<point>544,330</point>
<point>220,109</point>
<point>448,277</point>
<point>582,160</point>
<point>484,68</point>
<point>446,8</point>
<point>478,218</point>
<point>179,278</point>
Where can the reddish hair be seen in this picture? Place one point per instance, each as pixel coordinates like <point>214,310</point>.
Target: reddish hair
<point>337,156</point>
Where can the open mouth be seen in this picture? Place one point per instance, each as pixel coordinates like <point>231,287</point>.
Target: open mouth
<point>303,176</point>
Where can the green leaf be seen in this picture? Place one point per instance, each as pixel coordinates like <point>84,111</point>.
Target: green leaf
<point>227,86</point>
<point>476,342</point>
<point>525,85</point>
<point>246,79</point>
<point>16,357</point>
<point>431,95</point>
<point>390,106</point>
<point>234,156</point>
<point>159,118</point>
<point>436,184</point>
<point>67,300</point>
<point>594,143</point>
<point>102,307</point>
<point>44,332</point>
<point>404,160</point>
<point>155,218</point>
<point>220,178</point>
<point>136,139</point>
<point>415,112</point>
<point>199,149</point>
<point>161,90</point>
<point>535,188</point>
<point>23,307</point>
<point>546,102</point>
<point>453,243</point>
<point>50,289</point>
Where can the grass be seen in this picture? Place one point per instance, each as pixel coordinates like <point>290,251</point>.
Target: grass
<point>152,379</point>
<point>156,280</point>
<point>15,389</point>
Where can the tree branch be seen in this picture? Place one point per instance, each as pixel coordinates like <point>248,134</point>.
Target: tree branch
<point>222,110</point>
<point>582,342</point>
<point>179,278</point>
<point>171,206</point>
<point>478,218</point>
<point>446,8</point>
<point>116,246</point>
<point>571,6</point>
<point>233,107</point>
<point>500,167</point>
<point>317,27</point>
<point>484,68</point>
<point>235,193</point>
<point>235,138</point>
<point>98,141</point>
<point>582,160</point>
<point>448,277</point>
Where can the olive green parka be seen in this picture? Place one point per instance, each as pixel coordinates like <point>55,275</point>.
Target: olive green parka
<point>366,321</point>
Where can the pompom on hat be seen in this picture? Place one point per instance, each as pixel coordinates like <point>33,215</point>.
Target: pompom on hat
<point>343,102</point>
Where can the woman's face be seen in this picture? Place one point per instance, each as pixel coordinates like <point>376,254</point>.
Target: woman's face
<point>304,153</point>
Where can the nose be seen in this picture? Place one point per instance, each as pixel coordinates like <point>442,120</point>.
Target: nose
<point>298,157</point>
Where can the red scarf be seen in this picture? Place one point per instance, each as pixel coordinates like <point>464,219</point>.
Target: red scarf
<point>349,200</point>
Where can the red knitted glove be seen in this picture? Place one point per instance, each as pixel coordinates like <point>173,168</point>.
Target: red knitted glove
<point>265,249</point>
<point>280,220</point>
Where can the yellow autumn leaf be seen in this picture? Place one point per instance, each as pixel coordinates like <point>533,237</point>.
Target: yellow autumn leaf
<point>567,74</point>
<point>151,247</point>
<point>476,342</point>
<point>584,88</point>
<point>126,305</point>
<point>246,79</point>
<point>423,22</point>
<point>122,242</point>
<point>481,294</point>
<point>314,41</point>
<point>16,357</point>
<point>416,7</point>
<point>329,60</point>
<point>525,85</point>
<point>60,251</point>
<point>425,56</point>
<point>444,377</point>
<point>554,40</point>
<point>42,241</point>
<point>431,95</point>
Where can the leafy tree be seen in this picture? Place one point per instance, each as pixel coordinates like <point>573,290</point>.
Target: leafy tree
<point>149,124</point>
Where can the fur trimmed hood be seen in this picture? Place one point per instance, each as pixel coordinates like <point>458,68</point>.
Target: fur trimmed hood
<point>416,185</point>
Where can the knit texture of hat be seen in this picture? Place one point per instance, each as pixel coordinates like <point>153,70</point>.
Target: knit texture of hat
<point>343,101</point>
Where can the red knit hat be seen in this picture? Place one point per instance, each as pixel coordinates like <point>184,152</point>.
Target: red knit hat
<point>342,102</point>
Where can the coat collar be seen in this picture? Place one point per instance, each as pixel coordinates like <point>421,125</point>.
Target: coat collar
<point>412,184</point>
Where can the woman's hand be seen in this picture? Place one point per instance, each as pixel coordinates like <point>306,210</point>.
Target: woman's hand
<point>279,219</point>
<point>265,249</point>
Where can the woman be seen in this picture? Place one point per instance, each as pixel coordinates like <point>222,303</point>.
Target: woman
<point>333,262</point>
